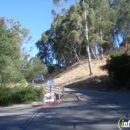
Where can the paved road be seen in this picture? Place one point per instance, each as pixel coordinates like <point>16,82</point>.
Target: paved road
<point>98,111</point>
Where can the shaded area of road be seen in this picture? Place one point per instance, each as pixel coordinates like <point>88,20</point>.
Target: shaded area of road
<point>98,111</point>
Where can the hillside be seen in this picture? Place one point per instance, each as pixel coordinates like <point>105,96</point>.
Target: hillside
<point>77,76</point>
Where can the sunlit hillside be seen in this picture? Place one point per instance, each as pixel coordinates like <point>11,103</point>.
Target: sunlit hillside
<point>77,76</point>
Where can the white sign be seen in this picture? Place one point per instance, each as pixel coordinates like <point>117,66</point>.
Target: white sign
<point>50,83</point>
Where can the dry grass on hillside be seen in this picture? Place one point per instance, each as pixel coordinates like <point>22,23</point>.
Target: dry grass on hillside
<point>79,72</point>
<point>77,76</point>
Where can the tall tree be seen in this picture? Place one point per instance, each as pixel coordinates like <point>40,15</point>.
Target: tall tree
<point>12,36</point>
<point>9,57</point>
<point>86,24</point>
<point>75,34</point>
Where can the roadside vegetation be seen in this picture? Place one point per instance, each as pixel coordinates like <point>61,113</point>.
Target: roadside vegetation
<point>118,68</point>
<point>19,95</point>
<point>17,70</point>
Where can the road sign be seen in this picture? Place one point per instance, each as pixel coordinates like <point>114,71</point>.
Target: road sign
<point>50,83</point>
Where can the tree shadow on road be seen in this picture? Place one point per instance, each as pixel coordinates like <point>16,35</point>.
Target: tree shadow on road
<point>74,116</point>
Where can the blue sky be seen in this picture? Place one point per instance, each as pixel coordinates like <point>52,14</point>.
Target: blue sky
<point>34,15</point>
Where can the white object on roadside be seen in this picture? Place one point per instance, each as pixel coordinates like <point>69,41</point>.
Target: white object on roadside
<point>48,98</point>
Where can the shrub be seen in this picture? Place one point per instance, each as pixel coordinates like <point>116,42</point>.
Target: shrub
<point>19,95</point>
<point>118,67</point>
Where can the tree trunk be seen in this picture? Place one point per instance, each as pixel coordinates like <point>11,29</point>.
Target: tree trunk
<point>89,60</point>
<point>102,56</point>
<point>87,46</point>
<point>76,55</point>
<point>101,49</point>
<point>93,53</point>
<point>101,38</point>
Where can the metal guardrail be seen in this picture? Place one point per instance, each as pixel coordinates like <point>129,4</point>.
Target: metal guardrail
<point>55,89</point>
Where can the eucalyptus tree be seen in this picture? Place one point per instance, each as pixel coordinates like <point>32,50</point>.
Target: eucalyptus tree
<point>45,48</point>
<point>75,33</point>
<point>57,39</point>
<point>89,35</point>
<point>47,44</point>
<point>70,29</point>
<point>105,23</point>
<point>89,22</point>
<point>63,35</point>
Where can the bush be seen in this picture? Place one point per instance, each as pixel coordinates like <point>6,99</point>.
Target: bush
<point>17,95</point>
<point>118,67</point>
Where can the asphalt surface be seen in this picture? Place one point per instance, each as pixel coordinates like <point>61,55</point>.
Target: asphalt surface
<point>96,111</point>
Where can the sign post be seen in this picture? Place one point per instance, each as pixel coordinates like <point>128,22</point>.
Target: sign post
<point>50,83</point>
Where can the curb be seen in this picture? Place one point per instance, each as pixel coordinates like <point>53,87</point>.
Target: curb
<point>78,97</point>
<point>56,102</point>
<point>48,104</point>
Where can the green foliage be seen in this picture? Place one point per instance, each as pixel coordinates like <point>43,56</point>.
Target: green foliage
<point>33,69</point>
<point>128,38</point>
<point>74,35</point>
<point>73,8</point>
<point>106,46</point>
<point>118,68</point>
<point>9,57</point>
<point>85,22</point>
<point>19,95</point>
<point>12,38</point>
<point>53,68</point>
<point>44,38</point>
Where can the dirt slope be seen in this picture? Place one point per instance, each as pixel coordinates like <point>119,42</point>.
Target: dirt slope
<point>77,76</point>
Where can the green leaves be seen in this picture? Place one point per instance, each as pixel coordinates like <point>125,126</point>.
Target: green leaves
<point>73,8</point>
<point>74,35</point>
<point>85,22</point>
<point>118,67</point>
<point>20,94</point>
<point>44,38</point>
<point>33,69</point>
<point>11,41</point>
